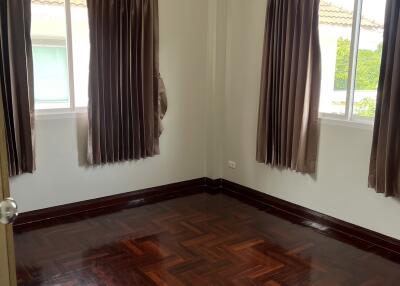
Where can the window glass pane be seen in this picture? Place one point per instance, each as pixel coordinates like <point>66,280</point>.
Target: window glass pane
<point>369,58</point>
<point>50,76</point>
<point>49,55</point>
<point>81,50</point>
<point>336,20</point>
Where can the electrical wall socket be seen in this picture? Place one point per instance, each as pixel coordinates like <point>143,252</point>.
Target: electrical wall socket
<point>232,164</point>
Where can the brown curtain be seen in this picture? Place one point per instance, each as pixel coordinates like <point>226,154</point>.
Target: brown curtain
<point>384,173</point>
<point>126,94</point>
<point>290,85</point>
<point>16,83</point>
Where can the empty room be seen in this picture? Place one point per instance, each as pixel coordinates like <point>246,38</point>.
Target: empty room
<point>199,142</point>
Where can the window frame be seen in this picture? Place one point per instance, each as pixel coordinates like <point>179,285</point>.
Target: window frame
<point>349,116</point>
<point>70,70</point>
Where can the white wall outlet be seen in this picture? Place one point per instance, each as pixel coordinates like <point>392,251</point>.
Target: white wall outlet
<point>232,164</point>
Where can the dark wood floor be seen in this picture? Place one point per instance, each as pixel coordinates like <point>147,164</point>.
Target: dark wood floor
<point>203,239</point>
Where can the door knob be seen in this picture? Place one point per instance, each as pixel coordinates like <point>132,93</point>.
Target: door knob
<point>8,211</point>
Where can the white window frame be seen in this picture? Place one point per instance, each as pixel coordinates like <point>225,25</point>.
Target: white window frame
<point>73,109</point>
<point>355,40</point>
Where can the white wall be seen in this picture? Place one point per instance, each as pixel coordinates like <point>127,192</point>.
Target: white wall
<point>216,89</point>
<point>60,177</point>
<point>340,186</point>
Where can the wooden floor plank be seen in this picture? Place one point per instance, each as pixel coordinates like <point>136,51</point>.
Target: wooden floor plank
<point>202,239</point>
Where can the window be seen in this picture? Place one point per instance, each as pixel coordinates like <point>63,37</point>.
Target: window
<point>60,48</point>
<point>351,36</point>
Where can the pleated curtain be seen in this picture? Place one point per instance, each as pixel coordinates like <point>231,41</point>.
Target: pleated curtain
<point>16,84</point>
<point>287,134</point>
<point>127,99</point>
<point>384,173</point>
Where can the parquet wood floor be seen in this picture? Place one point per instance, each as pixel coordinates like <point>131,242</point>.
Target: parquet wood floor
<point>202,239</point>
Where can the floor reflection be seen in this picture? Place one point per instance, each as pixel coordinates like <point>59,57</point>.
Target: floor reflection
<point>202,239</point>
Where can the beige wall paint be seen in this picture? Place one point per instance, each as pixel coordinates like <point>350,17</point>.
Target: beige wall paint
<point>216,77</point>
<point>60,178</point>
<point>340,187</point>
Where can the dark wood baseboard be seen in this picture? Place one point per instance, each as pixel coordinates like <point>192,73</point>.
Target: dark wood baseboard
<point>112,203</point>
<point>214,184</point>
<point>325,224</point>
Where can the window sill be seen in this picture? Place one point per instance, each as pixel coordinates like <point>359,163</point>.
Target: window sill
<point>366,125</point>
<point>55,114</point>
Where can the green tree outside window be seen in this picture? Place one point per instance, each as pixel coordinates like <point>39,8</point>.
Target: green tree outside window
<point>368,66</point>
<point>367,74</point>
